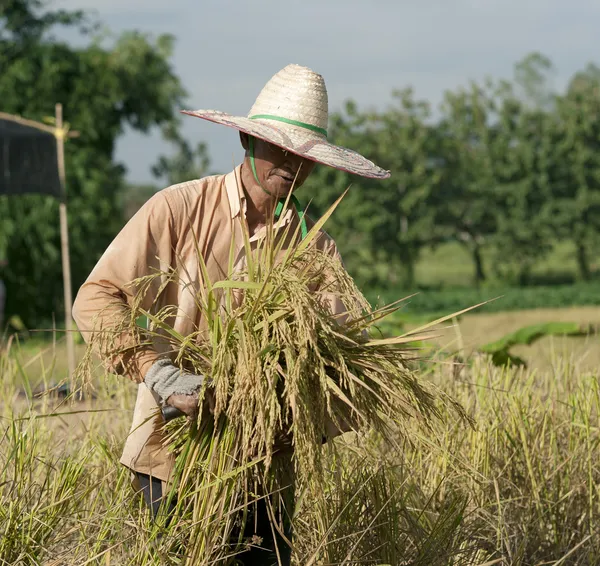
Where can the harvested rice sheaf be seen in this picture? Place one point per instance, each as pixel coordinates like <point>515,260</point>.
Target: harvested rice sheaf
<point>282,368</point>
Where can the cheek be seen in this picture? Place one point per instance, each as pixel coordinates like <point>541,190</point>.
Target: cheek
<point>263,168</point>
<point>268,177</point>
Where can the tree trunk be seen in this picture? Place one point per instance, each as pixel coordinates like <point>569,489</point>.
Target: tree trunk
<point>407,273</point>
<point>583,264</point>
<point>480,275</point>
<point>524,274</point>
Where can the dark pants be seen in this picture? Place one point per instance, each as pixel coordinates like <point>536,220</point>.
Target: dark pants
<point>258,525</point>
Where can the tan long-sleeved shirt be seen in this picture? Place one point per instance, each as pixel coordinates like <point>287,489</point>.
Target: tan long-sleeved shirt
<point>162,235</point>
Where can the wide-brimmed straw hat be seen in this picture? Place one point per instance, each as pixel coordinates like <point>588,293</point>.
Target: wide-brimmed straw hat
<point>292,112</point>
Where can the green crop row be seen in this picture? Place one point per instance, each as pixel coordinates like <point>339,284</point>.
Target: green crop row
<point>500,299</point>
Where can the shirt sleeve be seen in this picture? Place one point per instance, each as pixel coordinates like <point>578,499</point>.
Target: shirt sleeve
<point>104,301</point>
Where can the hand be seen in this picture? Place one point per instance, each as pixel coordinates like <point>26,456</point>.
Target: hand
<point>188,404</point>
<point>283,443</point>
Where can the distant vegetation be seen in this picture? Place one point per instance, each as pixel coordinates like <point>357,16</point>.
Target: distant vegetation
<point>500,190</point>
<point>507,176</point>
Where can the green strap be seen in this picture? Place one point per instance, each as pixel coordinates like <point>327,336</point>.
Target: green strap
<point>253,165</point>
<point>298,206</point>
<point>291,122</point>
<point>279,208</point>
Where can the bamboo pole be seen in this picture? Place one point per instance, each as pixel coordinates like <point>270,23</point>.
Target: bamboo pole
<point>37,125</point>
<point>64,240</point>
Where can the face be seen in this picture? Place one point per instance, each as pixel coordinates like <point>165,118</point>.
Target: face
<point>277,168</point>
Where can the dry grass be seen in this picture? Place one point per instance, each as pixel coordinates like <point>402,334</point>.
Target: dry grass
<point>519,490</point>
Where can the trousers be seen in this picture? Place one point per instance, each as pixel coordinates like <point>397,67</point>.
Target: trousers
<point>260,525</point>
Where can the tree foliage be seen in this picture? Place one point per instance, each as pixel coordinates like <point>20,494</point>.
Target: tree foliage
<point>103,86</point>
<point>507,168</point>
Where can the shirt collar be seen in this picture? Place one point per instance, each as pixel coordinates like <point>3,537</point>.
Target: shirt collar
<point>237,199</point>
<point>235,194</point>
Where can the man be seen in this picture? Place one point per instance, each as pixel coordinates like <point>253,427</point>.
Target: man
<point>284,136</point>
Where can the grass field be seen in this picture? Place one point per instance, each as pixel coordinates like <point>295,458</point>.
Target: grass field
<point>518,489</point>
<point>47,359</point>
<point>475,330</point>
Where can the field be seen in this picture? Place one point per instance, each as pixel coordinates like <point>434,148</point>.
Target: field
<point>520,488</point>
<point>475,330</point>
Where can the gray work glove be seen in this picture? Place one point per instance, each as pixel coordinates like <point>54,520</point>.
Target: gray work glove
<point>174,387</point>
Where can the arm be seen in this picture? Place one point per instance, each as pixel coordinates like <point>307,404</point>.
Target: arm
<point>145,244</point>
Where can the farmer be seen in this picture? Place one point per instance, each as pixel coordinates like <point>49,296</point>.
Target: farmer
<point>284,135</point>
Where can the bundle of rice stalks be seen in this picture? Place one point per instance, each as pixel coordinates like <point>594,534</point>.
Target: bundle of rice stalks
<point>282,368</point>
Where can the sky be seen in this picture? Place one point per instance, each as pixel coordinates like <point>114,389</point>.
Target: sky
<point>227,50</point>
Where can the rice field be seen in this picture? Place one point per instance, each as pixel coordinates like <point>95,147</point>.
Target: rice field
<point>476,329</point>
<point>519,488</point>
<point>46,358</point>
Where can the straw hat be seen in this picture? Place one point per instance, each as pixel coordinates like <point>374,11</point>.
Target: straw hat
<point>291,112</point>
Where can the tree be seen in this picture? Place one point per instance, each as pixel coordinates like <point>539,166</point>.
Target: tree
<point>355,220</point>
<point>524,157</point>
<point>533,81</point>
<point>103,86</point>
<point>467,134</point>
<point>406,144</point>
<point>24,23</point>
<point>574,209</point>
<point>385,224</point>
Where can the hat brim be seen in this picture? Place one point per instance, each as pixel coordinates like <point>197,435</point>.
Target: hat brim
<point>298,140</point>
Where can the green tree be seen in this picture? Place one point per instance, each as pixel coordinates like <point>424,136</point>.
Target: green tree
<point>467,136</point>
<point>355,221</point>
<point>405,144</point>
<point>523,236</point>
<point>103,86</point>
<point>533,81</point>
<point>574,209</point>
<point>384,225</point>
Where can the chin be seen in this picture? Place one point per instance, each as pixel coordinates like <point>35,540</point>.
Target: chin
<point>282,191</point>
